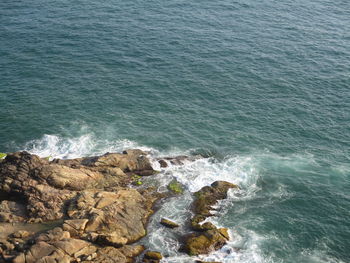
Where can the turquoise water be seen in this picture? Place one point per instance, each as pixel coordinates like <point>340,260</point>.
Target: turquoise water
<point>260,87</point>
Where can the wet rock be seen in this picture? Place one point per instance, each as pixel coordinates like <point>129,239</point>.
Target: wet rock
<point>208,237</point>
<point>205,199</point>
<point>206,242</point>
<point>152,257</point>
<point>175,187</point>
<point>178,160</point>
<point>168,223</point>
<point>163,163</point>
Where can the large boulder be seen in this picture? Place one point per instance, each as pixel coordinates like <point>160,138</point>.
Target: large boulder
<point>130,161</point>
<point>109,218</point>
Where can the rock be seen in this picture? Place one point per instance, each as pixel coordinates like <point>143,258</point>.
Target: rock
<point>56,246</point>
<point>102,217</point>
<point>64,177</point>
<point>19,181</point>
<point>152,257</point>
<point>175,187</point>
<point>210,237</point>
<point>113,219</point>
<point>12,211</point>
<point>168,223</point>
<point>207,242</point>
<point>121,255</point>
<point>134,161</point>
<point>205,199</point>
<point>20,234</point>
<point>163,163</point>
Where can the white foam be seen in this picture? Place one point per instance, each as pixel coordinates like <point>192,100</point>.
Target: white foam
<point>75,147</point>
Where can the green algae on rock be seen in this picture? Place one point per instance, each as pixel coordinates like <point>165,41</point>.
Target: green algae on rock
<point>175,187</point>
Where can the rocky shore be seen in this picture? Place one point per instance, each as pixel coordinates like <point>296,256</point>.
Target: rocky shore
<point>93,209</point>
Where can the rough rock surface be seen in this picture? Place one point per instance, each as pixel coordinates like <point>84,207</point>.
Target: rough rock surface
<point>207,237</point>
<point>102,215</point>
<point>109,218</point>
<point>12,211</point>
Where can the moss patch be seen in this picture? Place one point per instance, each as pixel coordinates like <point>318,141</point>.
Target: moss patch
<point>3,155</point>
<point>175,187</point>
<point>136,179</point>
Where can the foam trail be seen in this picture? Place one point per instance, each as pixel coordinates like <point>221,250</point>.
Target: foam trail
<point>75,147</point>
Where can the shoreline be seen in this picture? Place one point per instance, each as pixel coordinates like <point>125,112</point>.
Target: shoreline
<point>103,206</point>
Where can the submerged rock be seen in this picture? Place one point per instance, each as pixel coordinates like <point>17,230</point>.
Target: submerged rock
<point>168,223</point>
<point>175,187</point>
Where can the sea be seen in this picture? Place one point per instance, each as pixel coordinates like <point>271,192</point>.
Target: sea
<point>259,88</point>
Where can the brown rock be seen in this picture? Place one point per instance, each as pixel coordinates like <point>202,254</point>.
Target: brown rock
<point>204,243</point>
<point>12,211</point>
<point>153,255</point>
<point>209,237</point>
<point>113,218</point>
<point>168,223</point>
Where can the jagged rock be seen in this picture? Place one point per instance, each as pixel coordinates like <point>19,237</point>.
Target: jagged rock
<point>113,218</point>
<point>209,237</point>
<point>168,223</point>
<point>204,200</point>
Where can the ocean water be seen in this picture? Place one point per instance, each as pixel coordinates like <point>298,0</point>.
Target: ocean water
<point>260,88</point>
